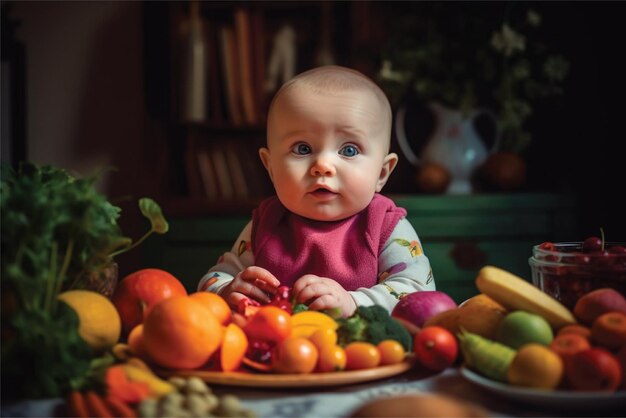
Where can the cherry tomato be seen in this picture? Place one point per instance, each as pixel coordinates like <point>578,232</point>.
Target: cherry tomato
<point>391,352</point>
<point>435,348</point>
<point>269,323</point>
<point>294,355</point>
<point>331,359</point>
<point>361,355</point>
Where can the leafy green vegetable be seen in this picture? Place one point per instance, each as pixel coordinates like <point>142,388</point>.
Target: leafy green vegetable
<point>58,233</point>
<point>372,324</point>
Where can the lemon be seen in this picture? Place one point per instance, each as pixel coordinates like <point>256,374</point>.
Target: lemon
<point>100,324</point>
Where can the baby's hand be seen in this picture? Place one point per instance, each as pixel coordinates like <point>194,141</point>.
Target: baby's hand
<point>323,293</point>
<point>254,283</point>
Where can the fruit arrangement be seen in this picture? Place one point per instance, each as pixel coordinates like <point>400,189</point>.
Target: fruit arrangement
<point>568,270</point>
<point>531,340</point>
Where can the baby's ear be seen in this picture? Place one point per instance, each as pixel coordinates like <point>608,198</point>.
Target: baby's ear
<point>389,163</point>
<point>264,153</point>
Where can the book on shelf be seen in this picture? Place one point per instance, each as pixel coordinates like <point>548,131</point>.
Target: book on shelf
<point>233,155</point>
<point>246,63</point>
<point>224,179</point>
<point>230,71</point>
<point>207,174</point>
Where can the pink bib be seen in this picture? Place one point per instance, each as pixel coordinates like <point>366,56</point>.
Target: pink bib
<point>290,246</point>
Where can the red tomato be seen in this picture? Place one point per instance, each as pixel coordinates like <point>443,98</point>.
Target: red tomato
<point>138,292</point>
<point>594,369</point>
<point>435,348</point>
<point>269,323</point>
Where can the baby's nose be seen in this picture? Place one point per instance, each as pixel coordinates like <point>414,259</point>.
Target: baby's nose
<point>323,166</point>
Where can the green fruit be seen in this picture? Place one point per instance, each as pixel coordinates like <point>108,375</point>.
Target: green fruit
<point>521,327</point>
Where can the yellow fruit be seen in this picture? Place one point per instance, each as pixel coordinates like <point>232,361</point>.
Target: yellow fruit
<point>535,366</point>
<point>313,318</point>
<point>515,293</point>
<point>100,324</point>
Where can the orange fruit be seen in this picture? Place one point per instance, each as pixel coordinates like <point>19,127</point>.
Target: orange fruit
<point>181,333</point>
<point>361,355</point>
<point>218,306</point>
<point>233,348</point>
<point>568,344</point>
<point>269,323</point>
<point>331,359</point>
<point>391,352</point>
<point>535,366</point>
<point>295,355</point>
<point>135,342</point>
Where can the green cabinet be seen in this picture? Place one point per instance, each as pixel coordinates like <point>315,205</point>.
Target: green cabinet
<point>459,233</point>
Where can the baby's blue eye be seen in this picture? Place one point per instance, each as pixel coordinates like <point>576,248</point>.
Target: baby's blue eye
<point>349,151</point>
<point>302,149</point>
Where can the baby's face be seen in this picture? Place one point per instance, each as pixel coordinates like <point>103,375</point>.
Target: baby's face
<point>327,153</point>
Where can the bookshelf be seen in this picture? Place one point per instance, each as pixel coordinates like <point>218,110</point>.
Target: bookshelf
<point>211,69</point>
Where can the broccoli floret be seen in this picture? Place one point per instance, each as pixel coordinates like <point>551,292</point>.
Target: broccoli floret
<point>372,324</point>
<point>299,307</point>
<point>351,329</point>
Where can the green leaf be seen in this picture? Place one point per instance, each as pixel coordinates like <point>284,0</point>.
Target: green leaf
<point>151,210</point>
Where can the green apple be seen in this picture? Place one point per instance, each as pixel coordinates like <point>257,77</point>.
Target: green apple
<point>520,327</point>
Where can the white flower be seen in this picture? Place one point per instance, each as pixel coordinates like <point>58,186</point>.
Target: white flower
<point>533,18</point>
<point>508,41</point>
<point>387,73</point>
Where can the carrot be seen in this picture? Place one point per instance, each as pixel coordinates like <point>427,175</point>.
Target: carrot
<point>119,408</point>
<point>96,406</point>
<point>123,389</point>
<point>77,405</point>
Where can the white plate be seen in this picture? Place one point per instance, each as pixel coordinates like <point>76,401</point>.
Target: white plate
<point>552,398</point>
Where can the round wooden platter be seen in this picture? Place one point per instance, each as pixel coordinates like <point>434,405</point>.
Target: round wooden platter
<point>253,379</point>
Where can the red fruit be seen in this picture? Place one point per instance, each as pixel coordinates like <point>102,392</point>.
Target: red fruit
<point>621,357</point>
<point>609,330</point>
<point>568,344</point>
<point>435,348</point>
<point>138,292</point>
<point>593,304</point>
<point>592,245</point>
<point>594,369</point>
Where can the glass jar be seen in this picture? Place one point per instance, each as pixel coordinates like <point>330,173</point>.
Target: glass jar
<point>566,273</point>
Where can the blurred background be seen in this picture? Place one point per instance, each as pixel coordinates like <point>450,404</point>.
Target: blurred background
<point>90,86</point>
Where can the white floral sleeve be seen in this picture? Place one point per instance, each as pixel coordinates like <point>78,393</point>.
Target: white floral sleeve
<point>402,268</point>
<point>229,264</point>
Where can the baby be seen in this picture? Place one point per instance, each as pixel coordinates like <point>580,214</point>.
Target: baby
<point>327,234</point>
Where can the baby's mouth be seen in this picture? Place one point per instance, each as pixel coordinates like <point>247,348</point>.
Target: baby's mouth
<point>322,192</point>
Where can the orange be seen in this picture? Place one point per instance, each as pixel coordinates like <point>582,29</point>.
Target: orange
<point>535,366</point>
<point>233,348</point>
<point>181,333</point>
<point>568,344</point>
<point>135,342</point>
<point>331,359</point>
<point>216,304</point>
<point>391,352</point>
<point>295,355</point>
<point>361,355</point>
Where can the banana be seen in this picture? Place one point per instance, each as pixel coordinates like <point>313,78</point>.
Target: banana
<point>137,373</point>
<point>313,318</point>
<point>515,293</point>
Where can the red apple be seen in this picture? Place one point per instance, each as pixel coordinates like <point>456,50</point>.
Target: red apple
<point>594,369</point>
<point>621,357</point>
<point>138,292</point>
<point>593,304</point>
